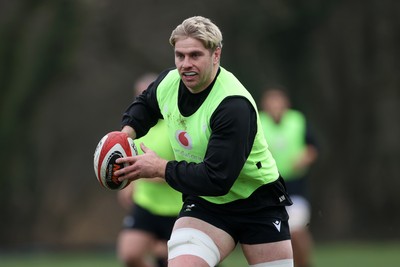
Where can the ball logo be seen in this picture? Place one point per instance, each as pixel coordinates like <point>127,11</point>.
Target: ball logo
<point>111,179</point>
<point>184,139</point>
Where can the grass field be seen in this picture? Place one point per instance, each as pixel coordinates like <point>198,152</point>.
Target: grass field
<point>325,255</point>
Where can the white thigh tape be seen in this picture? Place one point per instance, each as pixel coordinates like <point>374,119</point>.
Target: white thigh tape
<point>278,263</point>
<point>189,241</point>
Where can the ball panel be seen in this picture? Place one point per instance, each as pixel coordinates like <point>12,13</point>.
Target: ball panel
<point>108,166</point>
<point>98,158</point>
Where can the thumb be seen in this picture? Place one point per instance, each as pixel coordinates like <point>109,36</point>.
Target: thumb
<point>144,148</point>
<point>147,150</point>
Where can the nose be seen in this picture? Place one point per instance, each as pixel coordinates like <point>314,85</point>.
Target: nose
<point>186,63</point>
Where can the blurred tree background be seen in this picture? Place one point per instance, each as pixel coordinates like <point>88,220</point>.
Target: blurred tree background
<point>66,73</point>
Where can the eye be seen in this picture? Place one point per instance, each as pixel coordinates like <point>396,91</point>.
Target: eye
<point>179,56</point>
<point>195,55</point>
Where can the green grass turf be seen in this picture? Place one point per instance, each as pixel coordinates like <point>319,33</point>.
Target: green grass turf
<point>357,254</point>
<point>342,255</point>
<point>325,255</point>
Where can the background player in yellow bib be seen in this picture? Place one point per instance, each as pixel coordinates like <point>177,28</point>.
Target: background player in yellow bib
<point>152,203</point>
<point>293,146</point>
<point>230,183</point>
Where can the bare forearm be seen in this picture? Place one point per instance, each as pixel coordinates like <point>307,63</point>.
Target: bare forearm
<point>130,131</point>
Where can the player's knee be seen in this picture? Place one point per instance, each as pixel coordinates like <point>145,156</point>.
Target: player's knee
<point>278,263</point>
<point>189,241</point>
<point>129,257</point>
<point>130,261</point>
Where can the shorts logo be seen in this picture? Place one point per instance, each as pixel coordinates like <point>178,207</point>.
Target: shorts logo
<point>189,207</point>
<point>277,225</point>
<point>183,139</point>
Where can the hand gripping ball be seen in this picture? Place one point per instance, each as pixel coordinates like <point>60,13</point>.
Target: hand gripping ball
<point>112,146</point>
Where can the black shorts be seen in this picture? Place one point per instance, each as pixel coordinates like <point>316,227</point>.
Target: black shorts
<point>142,219</point>
<point>257,220</point>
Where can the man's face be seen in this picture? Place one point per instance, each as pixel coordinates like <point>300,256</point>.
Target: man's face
<point>275,103</point>
<point>197,65</point>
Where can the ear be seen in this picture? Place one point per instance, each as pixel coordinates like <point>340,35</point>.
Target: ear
<point>217,55</point>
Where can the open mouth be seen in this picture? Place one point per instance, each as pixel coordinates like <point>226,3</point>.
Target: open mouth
<point>188,74</point>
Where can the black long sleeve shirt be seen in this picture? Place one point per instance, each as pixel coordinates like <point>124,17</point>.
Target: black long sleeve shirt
<point>233,127</point>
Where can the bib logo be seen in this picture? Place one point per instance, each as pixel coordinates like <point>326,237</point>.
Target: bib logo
<point>183,139</point>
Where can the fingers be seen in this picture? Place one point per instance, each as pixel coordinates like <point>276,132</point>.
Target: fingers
<point>137,166</point>
<point>124,160</point>
<point>126,173</point>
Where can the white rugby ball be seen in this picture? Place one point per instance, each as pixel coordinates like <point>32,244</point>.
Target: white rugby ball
<point>112,146</point>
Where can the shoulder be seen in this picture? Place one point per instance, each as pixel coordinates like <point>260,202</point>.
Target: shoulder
<point>234,109</point>
<point>295,114</point>
<point>162,76</point>
<point>236,104</point>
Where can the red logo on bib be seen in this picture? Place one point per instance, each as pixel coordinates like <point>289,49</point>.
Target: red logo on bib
<point>184,139</point>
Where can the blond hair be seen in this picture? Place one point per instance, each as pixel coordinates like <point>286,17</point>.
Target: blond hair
<point>199,28</point>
